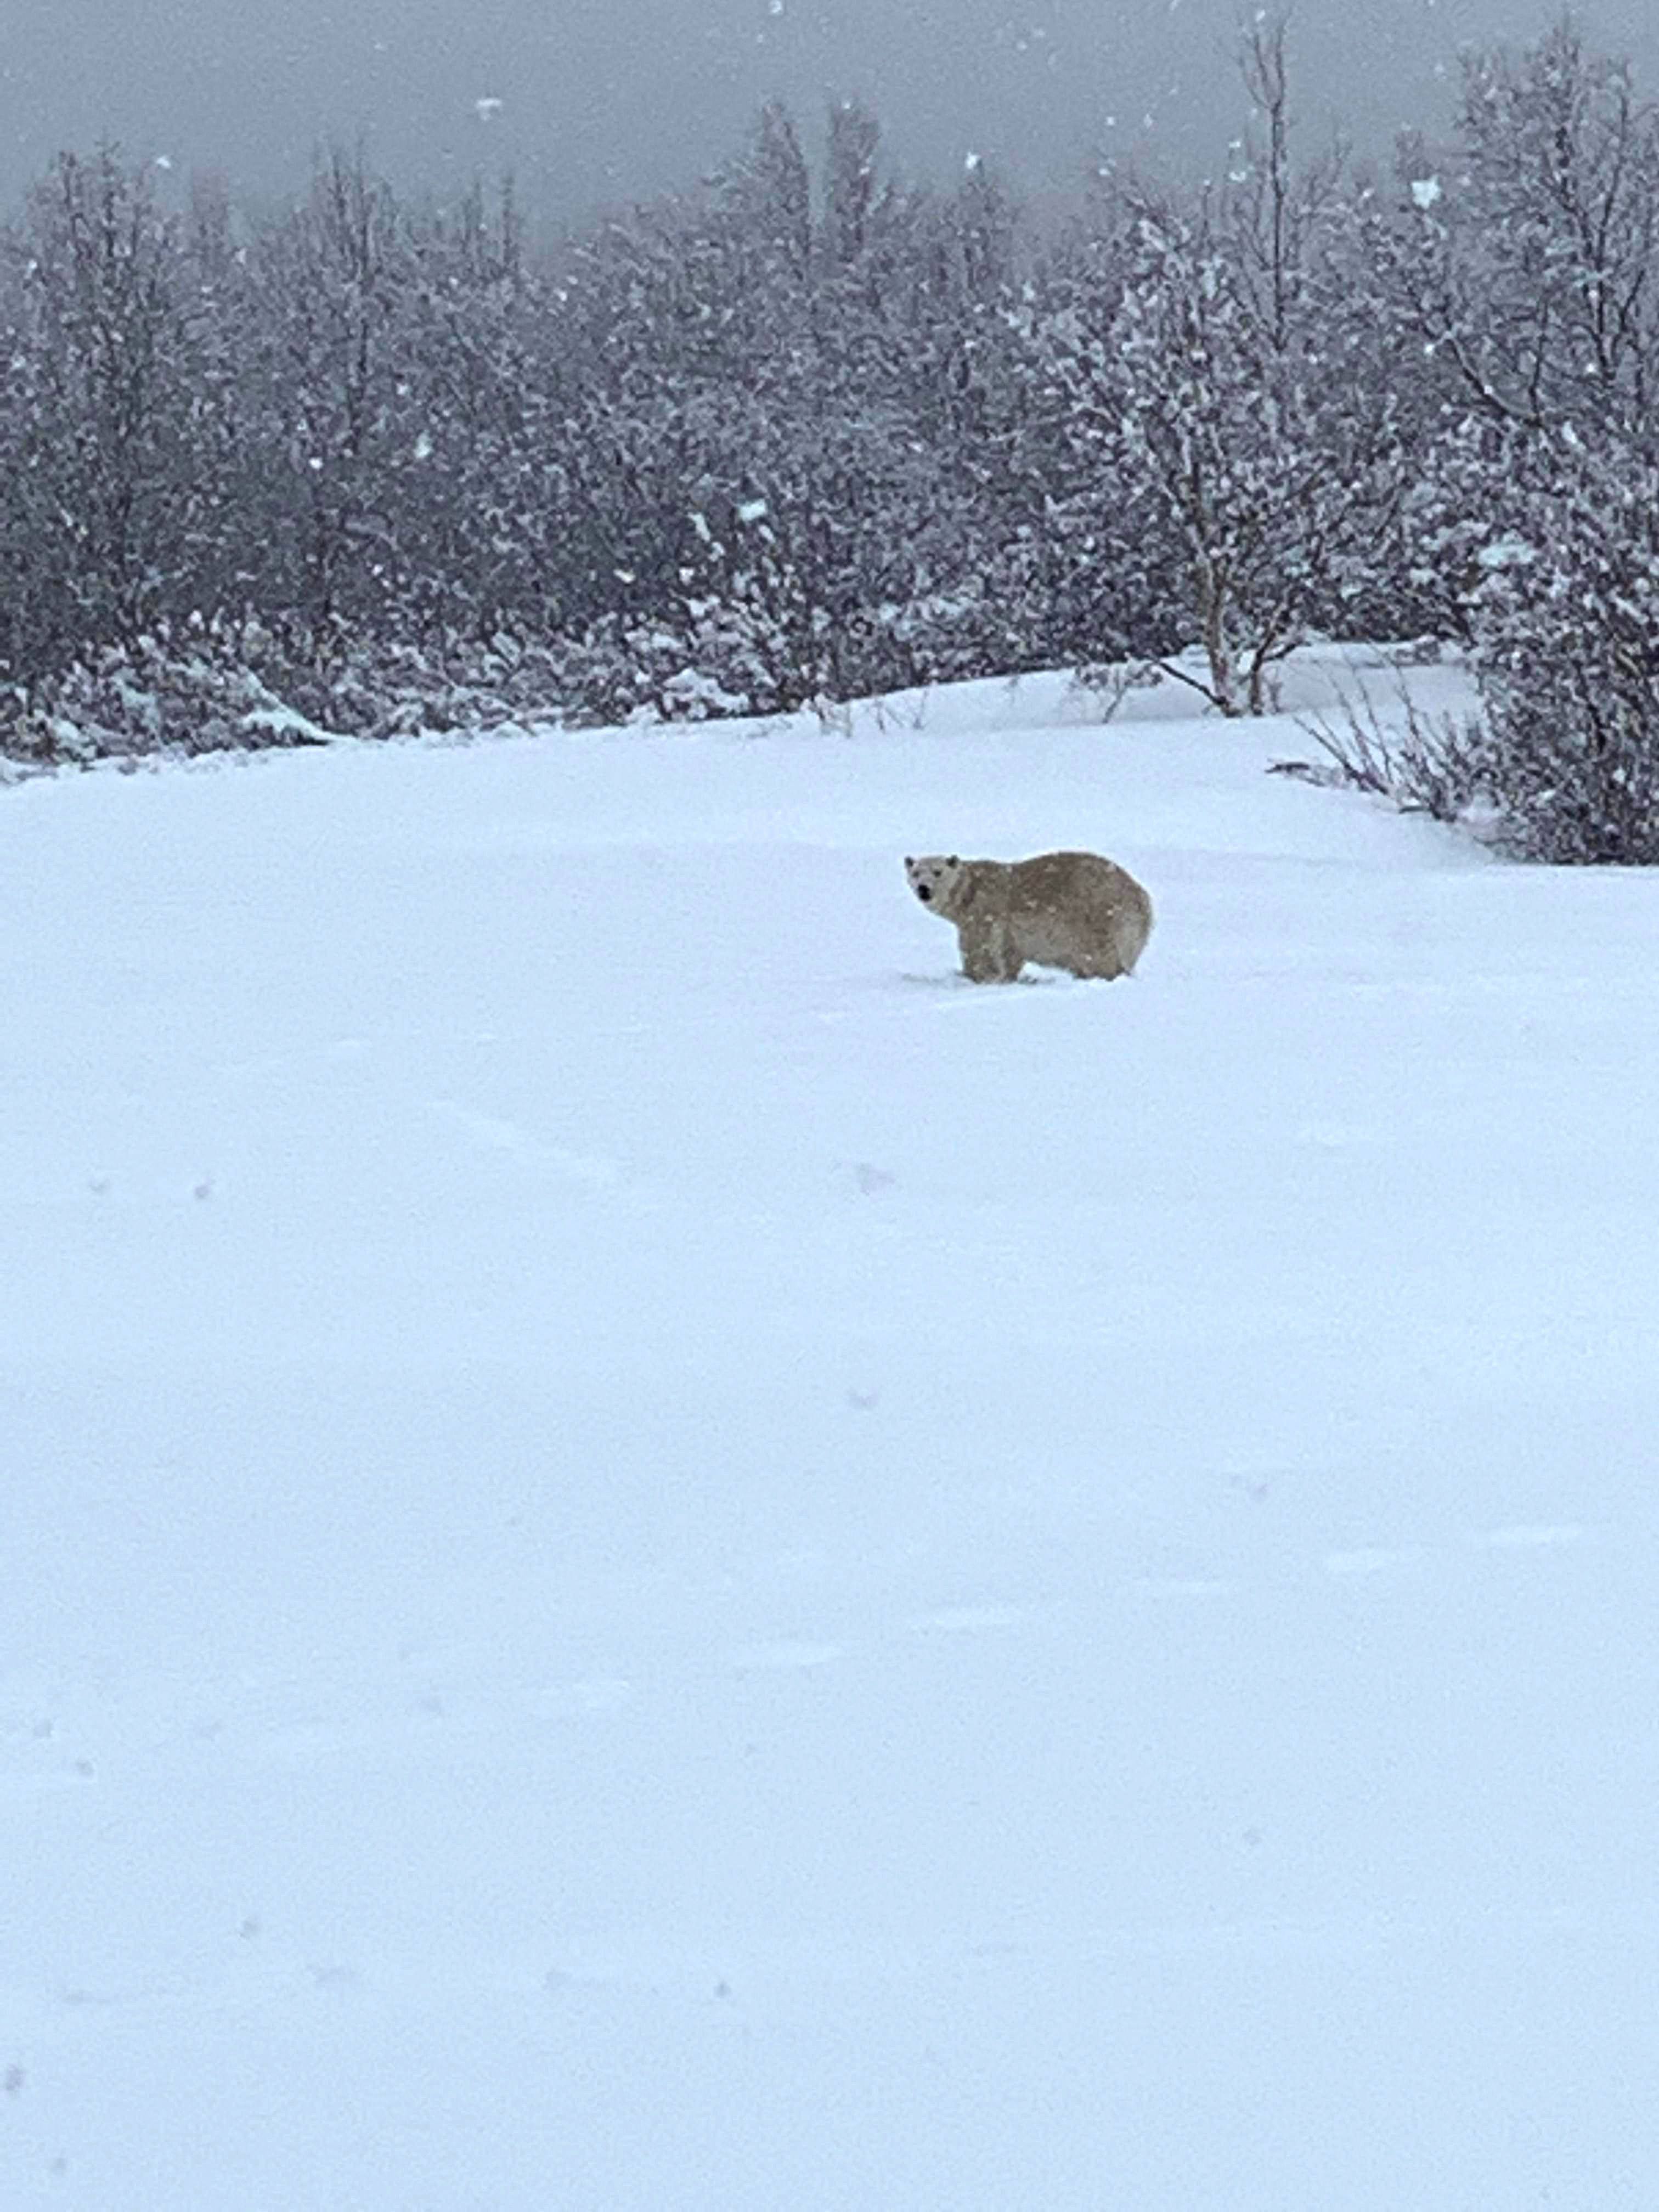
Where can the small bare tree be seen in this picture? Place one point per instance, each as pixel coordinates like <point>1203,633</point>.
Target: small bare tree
<point>1521,259</point>
<point>104,336</point>
<point>333,280</point>
<point>1245,427</point>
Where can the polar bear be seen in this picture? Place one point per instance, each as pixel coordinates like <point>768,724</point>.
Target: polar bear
<point>1073,910</point>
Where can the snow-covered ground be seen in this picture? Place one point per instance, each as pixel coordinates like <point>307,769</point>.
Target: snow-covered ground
<point>655,1556</point>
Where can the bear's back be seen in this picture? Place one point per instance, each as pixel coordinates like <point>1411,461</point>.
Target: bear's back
<point>1079,910</point>
<point>1056,879</point>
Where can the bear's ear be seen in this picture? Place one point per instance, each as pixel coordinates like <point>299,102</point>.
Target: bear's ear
<point>909,861</point>
<point>953,862</point>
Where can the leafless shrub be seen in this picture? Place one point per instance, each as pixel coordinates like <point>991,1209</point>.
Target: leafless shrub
<point>1105,684</point>
<point>1438,765</point>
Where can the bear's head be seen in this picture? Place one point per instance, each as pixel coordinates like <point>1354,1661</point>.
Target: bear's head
<point>934,877</point>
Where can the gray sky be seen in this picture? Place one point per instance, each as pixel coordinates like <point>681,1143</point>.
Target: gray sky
<point>603,100</point>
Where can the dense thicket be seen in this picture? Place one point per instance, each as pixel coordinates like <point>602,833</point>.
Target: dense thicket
<point>810,432</point>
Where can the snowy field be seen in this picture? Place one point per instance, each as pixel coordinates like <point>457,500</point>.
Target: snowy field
<point>658,1558</point>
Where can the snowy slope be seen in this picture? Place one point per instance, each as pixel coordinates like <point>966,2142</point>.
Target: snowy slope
<point>655,1557</point>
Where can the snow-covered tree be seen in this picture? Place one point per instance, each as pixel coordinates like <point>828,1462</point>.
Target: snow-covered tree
<point>102,495</point>
<point>1521,259</point>
<point>1565,620</point>
<point>333,281</point>
<point>751,353</point>
<point>1248,434</point>
<point>480,501</point>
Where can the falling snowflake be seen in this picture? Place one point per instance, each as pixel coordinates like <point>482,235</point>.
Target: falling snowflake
<point>1509,551</point>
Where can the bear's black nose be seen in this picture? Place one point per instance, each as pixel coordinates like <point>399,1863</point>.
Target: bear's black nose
<point>923,893</point>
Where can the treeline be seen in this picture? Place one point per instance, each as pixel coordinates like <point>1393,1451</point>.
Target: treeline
<point>802,436</point>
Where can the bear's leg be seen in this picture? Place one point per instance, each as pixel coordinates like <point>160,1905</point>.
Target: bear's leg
<point>979,960</point>
<point>1009,958</point>
<point>1129,934</point>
